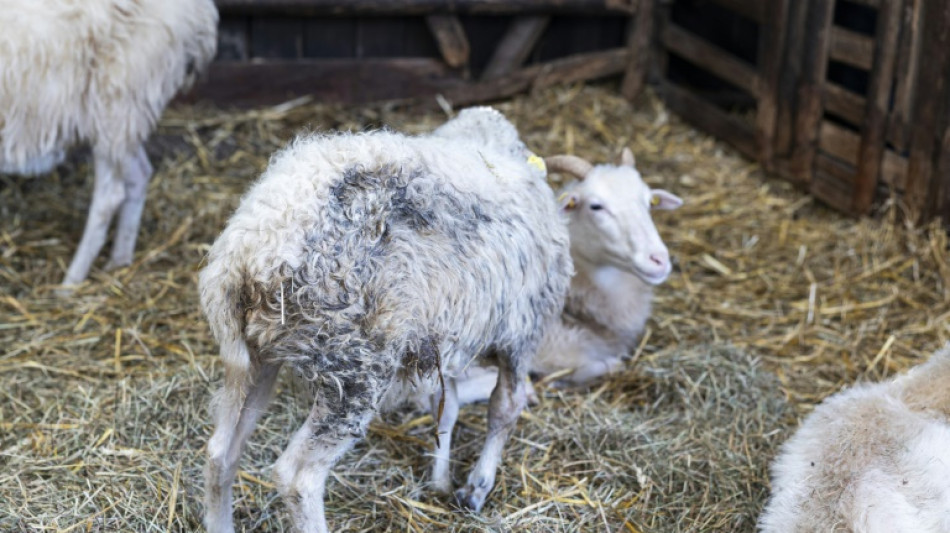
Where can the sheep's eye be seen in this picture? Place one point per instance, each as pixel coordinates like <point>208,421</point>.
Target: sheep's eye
<point>596,207</point>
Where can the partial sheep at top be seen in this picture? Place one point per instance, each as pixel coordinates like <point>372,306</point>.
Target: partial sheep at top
<point>871,459</point>
<point>618,258</point>
<point>98,72</point>
<point>373,262</point>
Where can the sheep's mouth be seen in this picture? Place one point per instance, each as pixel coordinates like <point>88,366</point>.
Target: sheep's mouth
<point>652,278</point>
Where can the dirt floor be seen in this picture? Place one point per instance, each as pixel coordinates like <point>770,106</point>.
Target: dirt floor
<point>775,302</point>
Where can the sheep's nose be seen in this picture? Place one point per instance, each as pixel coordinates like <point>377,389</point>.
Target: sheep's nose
<point>658,259</point>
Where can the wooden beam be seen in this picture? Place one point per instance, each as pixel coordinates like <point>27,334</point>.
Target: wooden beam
<point>756,10</point>
<point>873,134</point>
<point>711,58</point>
<point>640,44</point>
<point>833,183</point>
<point>809,93</point>
<point>853,48</point>
<point>515,47</point>
<point>707,117</point>
<point>907,60</point>
<point>791,69</point>
<point>450,37</point>
<point>844,103</point>
<point>771,39</point>
<point>428,7</point>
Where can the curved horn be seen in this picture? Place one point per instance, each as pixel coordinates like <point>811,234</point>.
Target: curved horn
<point>568,164</point>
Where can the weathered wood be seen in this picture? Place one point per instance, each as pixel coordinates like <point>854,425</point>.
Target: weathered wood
<point>709,118</point>
<point>790,73</point>
<point>515,47</point>
<point>427,7</point>
<point>809,94</point>
<point>771,38</point>
<point>750,9</point>
<point>907,57</point>
<point>639,42</point>
<point>833,183</point>
<point>450,37</point>
<point>941,185</point>
<point>276,37</point>
<point>328,38</point>
<point>234,39</point>
<point>845,146</point>
<point>710,57</point>
<point>844,103</point>
<point>853,48</point>
<point>875,120</point>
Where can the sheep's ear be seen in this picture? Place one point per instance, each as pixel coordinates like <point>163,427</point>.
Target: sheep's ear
<point>568,201</point>
<point>664,200</point>
<point>626,158</point>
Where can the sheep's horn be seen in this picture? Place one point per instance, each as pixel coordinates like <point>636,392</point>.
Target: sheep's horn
<point>568,164</point>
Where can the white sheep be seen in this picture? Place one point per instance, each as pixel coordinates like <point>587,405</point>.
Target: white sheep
<point>871,459</point>
<point>102,72</point>
<point>618,257</point>
<point>374,262</point>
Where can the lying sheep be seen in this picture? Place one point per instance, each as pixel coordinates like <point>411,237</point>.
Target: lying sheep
<point>374,262</point>
<point>618,257</point>
<point>96,71</point>
<point>874,458</point>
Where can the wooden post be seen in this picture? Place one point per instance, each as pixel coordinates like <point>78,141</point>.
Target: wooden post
<point>873,135</point>
<point>640,44</point>
<point>515,47</point>
<point>771,37</point>
<point>810,111</point>
<point>789,75</point>
<point>450,37</point>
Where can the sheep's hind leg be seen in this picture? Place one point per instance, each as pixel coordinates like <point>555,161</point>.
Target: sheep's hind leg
<point>107,195</point>
<point>137,173</point>
<point>342,410</point>
<point>238,406</point>
<point>441,464</point>
<point>505,405</point>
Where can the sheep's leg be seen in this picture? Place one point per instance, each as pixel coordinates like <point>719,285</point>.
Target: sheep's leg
<point>476,384</point>
<point>343,408</point>
<point>107,195</point>
<point>441,466</point>
<point>138,172</point>
<point>239,405</point>
<point>588,372</point>
<point>505,405</point>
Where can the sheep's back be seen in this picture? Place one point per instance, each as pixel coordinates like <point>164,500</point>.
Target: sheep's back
<point>96,70</point>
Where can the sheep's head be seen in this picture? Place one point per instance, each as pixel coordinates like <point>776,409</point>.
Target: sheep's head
<point>609,218</point>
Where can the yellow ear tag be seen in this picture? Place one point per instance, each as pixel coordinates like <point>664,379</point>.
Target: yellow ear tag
<point>570,203</point>
<point>655,201</point>
<point>537,162</point>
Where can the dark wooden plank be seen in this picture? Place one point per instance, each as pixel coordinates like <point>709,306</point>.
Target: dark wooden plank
<point>839,142</point>
<point>750,9</point>
<point>329,38</point>
<point>853,48</point>
<point>790,74</point>
<point>378,37</point>
<point>515,47</point>
<point>710,57</point>
<point>833,183</point>
<point>941,183</point>
<point>710,118</point>
<point>276,37</point>
<point>451,39</point>
<point>771,40</point>
<point>871,154</point>
<point>844,103</point>
<point>809,93</point>
<point>427,7</point>
<point>907,59</point>
<point>640,44</point>
<point>233,39</point>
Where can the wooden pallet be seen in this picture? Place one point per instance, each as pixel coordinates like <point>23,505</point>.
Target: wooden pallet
<point>468,51</point>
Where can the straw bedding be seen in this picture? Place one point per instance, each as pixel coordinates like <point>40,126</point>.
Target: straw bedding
<point>775,303</point>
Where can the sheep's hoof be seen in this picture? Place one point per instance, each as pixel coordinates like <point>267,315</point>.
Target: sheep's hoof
<point>471,498</point>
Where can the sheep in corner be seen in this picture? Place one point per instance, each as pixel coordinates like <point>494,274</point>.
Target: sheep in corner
<point>871,459</point>
<point>102,72</point>
<point>372,263</point>
<point>618,256</point>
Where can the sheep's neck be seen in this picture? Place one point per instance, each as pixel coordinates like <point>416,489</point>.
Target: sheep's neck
<point>616,300</point>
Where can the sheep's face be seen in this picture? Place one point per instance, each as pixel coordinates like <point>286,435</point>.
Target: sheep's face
<point>610,224</point>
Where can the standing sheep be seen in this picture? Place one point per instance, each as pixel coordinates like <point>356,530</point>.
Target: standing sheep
<point>370,262</point>
<point>97,71</point>
<point>618,257</point>
<point>872,459</point>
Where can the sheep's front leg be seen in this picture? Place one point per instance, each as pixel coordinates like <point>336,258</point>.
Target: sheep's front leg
<point>107,195</point>
<point>138,172</point>
<point>441,464</point>
<point>238,406</point>
<point>505,405</point>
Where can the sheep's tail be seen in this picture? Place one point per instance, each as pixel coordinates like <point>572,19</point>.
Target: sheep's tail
<point>220,285</point>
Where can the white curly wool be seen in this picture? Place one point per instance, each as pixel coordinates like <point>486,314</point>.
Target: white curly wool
<point>102,72</point>
<point>871,459</point>
<point>373,262</point>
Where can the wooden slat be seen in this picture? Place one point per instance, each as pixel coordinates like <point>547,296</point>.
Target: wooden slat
<point>515,47</point>
<point>427,7</point>
<point>751,9</point>
<point>710,118</point>
<point>844,103</point>
<point>791,69</point>
<point>809,94</point>
<point>640,45</point>
<point>852,48</point>
<point>710,57</point>
<point>839,142</point>
<point>908,57</point>
<point>833,182</point>
<point>450,37</point>
<point>771,40</point>
<point>871,155</point>
<point>276,37</point>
